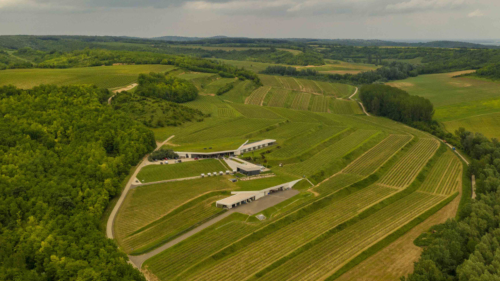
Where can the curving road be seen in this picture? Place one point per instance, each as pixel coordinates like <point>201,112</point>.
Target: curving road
<point>112,216</point>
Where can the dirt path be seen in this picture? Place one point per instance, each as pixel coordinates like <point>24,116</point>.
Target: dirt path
<point>362,106</point>
<point>126,88</point>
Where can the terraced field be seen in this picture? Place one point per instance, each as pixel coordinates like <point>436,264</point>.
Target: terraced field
<point>278,97</point>
<point>320,103</point>
<point>446,177</point>
<point>301,101</point>
<point>375,157</point>
<point>338,106</point>
<point>154,173</point>
<point>257,96</point>
<point>147,204</point>
<point>302,143</point>
<point>330,155</point>
<point>326,257</point>
<point>405,171</point>
<point>260,254</point>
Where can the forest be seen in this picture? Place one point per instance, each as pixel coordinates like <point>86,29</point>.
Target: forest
<point>64,154</point>
<point>396,104</point>
<point>158,85</point>
<point>491,71</point>
<point>468,248</point>
<point>155,112</point>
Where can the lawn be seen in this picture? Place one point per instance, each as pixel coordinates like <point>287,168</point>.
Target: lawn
<point>154,173</point>
<point>101,76</point>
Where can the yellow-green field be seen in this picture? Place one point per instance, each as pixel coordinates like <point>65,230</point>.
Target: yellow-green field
<point>342,67</point>
<point>469,102</point>
<point>102,76</point>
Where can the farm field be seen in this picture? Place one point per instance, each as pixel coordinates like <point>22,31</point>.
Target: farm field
<point>342,67</point>
<point>335,150</point>
<point>469,102</point>
<point>307,86</point>
<point>101,76</point>
<point>146,205</point>
<point>154,173</point>
<point>258,256</point>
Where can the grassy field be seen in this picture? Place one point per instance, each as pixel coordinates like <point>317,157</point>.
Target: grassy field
<point>101,76</point>
<point>339,106</point>
<point>154,173</point>
<point>338,152</point>
<point>257,96</point>
<point>146,205</point>
<point>342,67</point>
<point>469,102</point>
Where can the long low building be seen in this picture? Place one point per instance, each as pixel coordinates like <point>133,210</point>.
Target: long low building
<point>245,147</point>
<point>244,197</point>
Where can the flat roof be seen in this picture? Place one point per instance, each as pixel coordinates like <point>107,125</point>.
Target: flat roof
<point>257,143</point>
<point>238,197</point>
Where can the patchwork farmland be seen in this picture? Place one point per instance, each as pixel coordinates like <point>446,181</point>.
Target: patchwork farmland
<point>338,154</point>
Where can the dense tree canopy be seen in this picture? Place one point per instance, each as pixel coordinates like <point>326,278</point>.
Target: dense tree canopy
<point>396,104</point>
<point>173,89</point>
<point>154,112</point>
<point>469,248</point>
<point>490,71</point>
<point>63,154</point>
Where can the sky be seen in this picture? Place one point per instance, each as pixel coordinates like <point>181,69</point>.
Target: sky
<point>329,19</point>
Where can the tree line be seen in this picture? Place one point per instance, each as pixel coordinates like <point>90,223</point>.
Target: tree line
<point>468,248</point>
<point>64,153</point>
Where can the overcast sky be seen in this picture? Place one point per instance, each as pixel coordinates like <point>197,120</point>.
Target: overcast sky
<point>359,19</point>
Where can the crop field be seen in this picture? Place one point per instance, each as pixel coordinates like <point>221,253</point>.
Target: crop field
<point>257,97</point>
<point>147,204</point>
<point>330,155</point>
<point>378,155</point>
<point>469,102</point>
<point>446,176</point>
<point>326,257</point>
<point>320,103</point>
<point>338,106</point>
<point>407,168</point>
<point>309,86</point>
<point>154,173</point>
<point>341,67</point>
<point>253,111</point>
<point>204,146</point>
<point>169,226</point>
<point>301,144</point>
<point>278,97</point>
<point>261,253</point>
<point>240,91</point>
<point>301,101</point>
<point>288,130</point>
<point>215,85</point>
<point>101,76</point>
<point>235,128</point>
<point>271,81</point>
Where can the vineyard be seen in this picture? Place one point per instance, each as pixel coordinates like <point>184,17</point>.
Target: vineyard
<point>446,177</point>
<point>405,171</point>
<point>147,204</point>
<point>331,155</point>
<point>257,96</point>
<point>339,106</point>
<point>154,173</point>
<point>278,97</point>
<point>320,103</point>
<point>375,157</point>
<point>301,101</point>
<point>304,142</point>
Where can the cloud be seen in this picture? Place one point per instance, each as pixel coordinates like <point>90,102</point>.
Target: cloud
<point>475,14</point>
<point>426,5</point>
